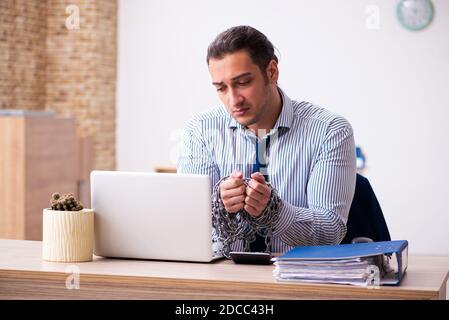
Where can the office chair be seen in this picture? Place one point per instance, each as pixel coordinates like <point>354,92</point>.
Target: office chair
<point>365,220</point>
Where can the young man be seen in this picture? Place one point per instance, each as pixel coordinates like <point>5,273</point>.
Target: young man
<point>269,157</point>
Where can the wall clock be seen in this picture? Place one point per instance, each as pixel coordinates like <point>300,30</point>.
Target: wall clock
<point>415,14</point>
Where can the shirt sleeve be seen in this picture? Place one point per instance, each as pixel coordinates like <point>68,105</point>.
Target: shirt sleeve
<point>195,157</point>
<point>330,190</point>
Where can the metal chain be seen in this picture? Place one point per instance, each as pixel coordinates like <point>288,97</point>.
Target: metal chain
<point>242,226</point>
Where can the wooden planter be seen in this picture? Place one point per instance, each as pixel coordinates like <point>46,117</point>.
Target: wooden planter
<point>68,236</point>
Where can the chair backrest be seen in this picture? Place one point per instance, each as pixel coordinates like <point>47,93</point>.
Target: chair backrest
<point>365,217</point>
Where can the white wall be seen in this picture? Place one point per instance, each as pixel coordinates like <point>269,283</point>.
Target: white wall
<point>392,85</point>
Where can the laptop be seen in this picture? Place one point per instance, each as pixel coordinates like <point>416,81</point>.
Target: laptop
<point>160,216</point>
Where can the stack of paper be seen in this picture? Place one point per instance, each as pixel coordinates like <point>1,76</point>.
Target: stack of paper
<point>343,271</point>
<point>359,264</point>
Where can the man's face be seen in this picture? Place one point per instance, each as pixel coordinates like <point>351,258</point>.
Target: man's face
<point>241,87</point>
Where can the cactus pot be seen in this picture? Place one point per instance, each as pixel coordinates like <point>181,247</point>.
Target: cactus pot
<point>68,236</point>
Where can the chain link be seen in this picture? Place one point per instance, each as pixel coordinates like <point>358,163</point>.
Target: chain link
<point>242,226</point>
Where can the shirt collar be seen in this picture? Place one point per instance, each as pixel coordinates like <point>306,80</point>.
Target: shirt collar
<point>284,120</point>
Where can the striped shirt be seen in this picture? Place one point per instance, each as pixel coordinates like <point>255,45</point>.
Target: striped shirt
<point>310,162</point>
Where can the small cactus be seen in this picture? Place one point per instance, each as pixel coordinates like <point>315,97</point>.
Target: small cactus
<point>66,202</point>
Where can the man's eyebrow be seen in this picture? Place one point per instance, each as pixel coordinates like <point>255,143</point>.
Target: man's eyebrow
<point>233,79</point>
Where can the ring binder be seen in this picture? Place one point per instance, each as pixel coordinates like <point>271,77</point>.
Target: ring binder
<point>355,263</point>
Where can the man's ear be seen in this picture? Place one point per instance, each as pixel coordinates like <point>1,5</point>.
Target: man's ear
<point>273,72</point>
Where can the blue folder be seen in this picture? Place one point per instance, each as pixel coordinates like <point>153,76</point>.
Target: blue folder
<point>394,254</point>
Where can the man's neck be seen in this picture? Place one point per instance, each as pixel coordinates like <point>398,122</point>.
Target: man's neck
<point>262,128</point>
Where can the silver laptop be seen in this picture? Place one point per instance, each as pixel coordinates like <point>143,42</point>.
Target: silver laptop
<point>159,216</point>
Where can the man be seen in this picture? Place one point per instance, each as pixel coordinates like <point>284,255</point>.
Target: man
<point>306,153</point>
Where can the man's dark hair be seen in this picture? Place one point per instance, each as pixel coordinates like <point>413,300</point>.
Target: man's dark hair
<point>247,38</point>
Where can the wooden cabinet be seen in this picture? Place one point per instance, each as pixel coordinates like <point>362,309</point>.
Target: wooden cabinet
<point>39,155</point>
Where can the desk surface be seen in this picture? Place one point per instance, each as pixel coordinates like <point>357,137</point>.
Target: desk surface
<point>23,274</point>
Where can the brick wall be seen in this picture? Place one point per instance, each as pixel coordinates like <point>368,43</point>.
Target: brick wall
<point>44,65</point>
<point>23,29</point>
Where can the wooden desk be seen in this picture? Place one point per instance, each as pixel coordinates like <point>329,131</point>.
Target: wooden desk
<point>24,275</point>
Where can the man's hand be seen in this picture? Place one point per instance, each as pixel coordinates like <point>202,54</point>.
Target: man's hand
<point>232,191</point>
<point>257,195</point>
